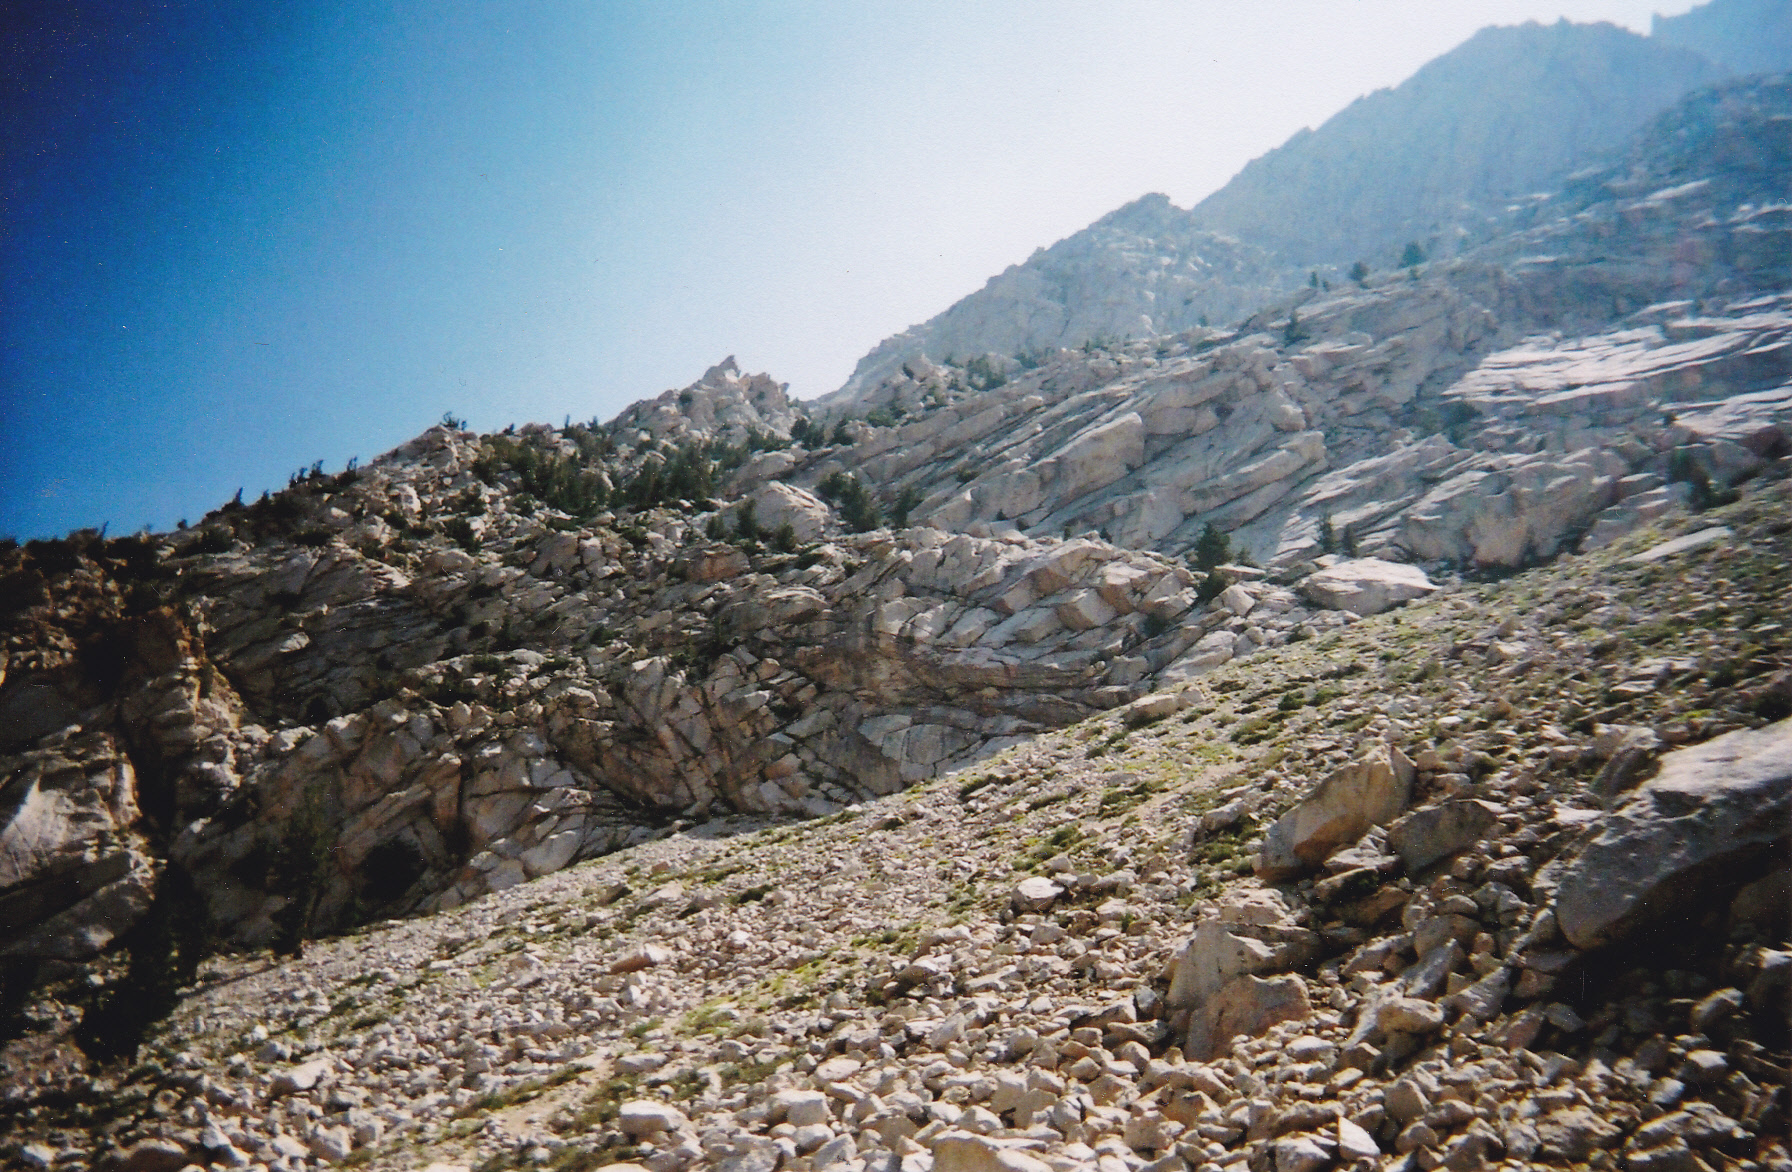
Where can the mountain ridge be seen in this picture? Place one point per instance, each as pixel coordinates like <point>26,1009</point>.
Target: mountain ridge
<point>1540,98</point>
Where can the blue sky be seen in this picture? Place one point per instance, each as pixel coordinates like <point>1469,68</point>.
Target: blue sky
<point>236,239</point>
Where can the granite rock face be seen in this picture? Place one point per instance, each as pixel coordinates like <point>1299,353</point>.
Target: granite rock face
<point>1565,379</point>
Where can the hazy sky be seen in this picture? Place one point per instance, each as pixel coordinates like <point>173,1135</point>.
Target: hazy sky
<point>238,238</point>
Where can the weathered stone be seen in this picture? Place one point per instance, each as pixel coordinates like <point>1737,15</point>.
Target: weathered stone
<point>1685,544</point>
<point>1574,1133</point>
<point>1035,894</point>
<point>302,1077</point>
<point>962,1151</point>
<point>1370,791</point>
<point>641,1118</point>
<point>155,1155</point>
<point>1247,1006</point>
<point>1710,811</point>
<point>1410,1015</point>
<point>1366,586</point>
<point>1436,832</point>
<point>641,957</point>
<point>1300,1153</point>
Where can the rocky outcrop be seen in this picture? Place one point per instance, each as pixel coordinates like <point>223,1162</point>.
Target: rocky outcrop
<point>74,870</point>
<point>1052,957</point>
<point>724,404</point>
<point>443,719</point>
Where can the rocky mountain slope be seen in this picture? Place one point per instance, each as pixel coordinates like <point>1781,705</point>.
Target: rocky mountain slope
<point>1636,316</point>
<point>1743,36</point>
<point>1283,746</point>
<point>1438,161</point>
<point>1059,959</point>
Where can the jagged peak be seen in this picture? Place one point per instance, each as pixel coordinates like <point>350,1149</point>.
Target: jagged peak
<point>726,368</point>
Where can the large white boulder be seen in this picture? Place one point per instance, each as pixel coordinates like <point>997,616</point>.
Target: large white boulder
<point>1366,586</point>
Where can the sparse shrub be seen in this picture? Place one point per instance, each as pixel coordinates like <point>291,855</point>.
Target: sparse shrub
<point>299,869</point>
<point>905,503</point>
<point>746,521</point>
<point>1359,272</point>
<point>559,481</point>
<point>1684,468</point>
<point>1212,548</point>
<point>984,374</point>
<point>215,539</point>
<point>857,508</point>
<point>460,531</point>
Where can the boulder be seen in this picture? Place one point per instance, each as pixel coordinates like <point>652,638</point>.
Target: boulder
<point>1437,832</point>
<point>1248,937</point>
<point>1686,544</point>
<point>645,956</point>
<point>1370,791</point>
<point>1247,1006</point>
<point>644,1117</point>
<point>303,1077</point>
<point>715,563</point>
<point>154,1155</point>
<point>1704,822</point>
<point>962,1151</point>
<point>776,504</point>
<point>1035,894</point>
<point>1366,586</point>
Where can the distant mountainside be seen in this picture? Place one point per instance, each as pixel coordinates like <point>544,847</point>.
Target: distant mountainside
<point>1508,110</point>
<point>1437,161</point>
<point>1141,270</point>
<point>1743,36</point>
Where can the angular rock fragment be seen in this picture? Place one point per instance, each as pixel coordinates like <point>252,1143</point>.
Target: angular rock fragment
<point>1709,814</point>
<point>1370,791</point>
